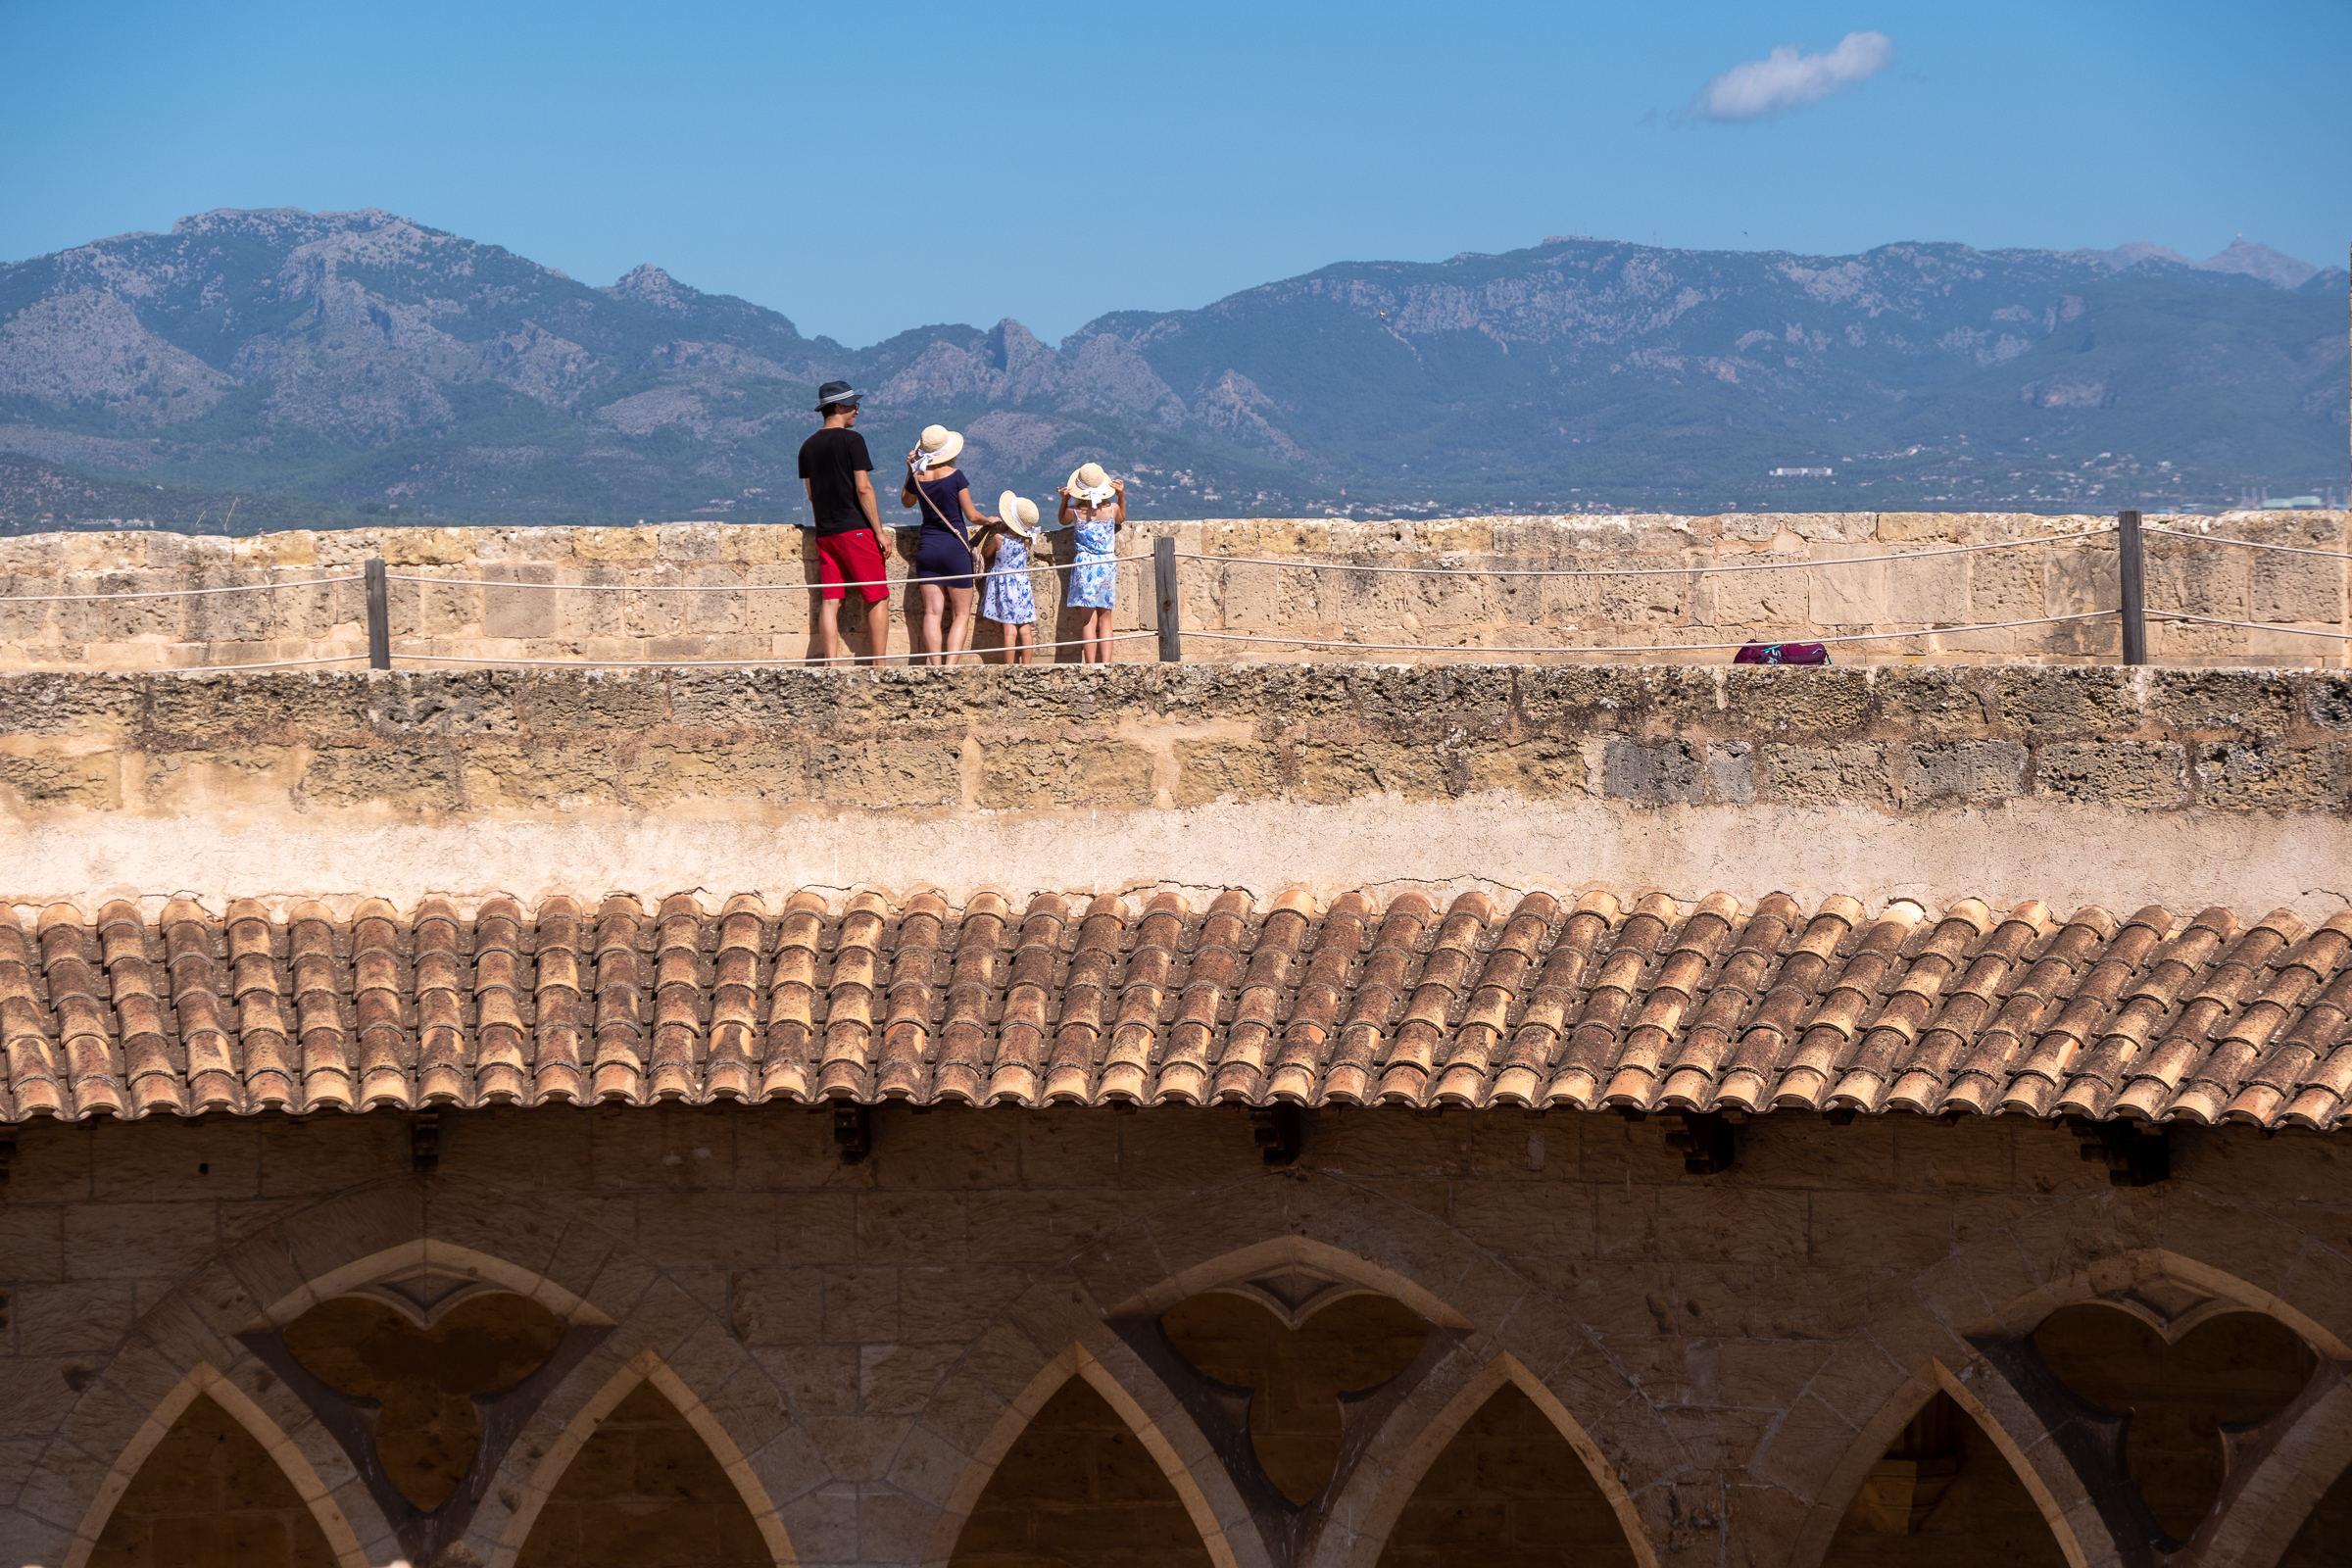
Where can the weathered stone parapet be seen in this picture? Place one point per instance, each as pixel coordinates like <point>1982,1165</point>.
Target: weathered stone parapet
<point>752,602</point>
<point>1138,737</point>
<point>2198,785</point>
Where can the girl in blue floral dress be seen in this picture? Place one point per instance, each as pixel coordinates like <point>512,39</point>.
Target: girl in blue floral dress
<point>1005,596</point>
<point>1096,504</point>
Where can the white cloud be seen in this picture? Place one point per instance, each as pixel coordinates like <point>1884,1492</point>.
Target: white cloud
<point>1756,88</point>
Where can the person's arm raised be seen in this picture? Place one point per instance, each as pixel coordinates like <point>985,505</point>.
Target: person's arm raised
<point>1118,489</point>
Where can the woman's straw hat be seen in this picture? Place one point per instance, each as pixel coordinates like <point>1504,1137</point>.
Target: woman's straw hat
<point>938,447</point>
<point>1089,484</point>
<point>1019,516</point>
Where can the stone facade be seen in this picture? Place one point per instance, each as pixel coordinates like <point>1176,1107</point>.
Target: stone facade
<point>1024,1320</point>
<point>750,605</point>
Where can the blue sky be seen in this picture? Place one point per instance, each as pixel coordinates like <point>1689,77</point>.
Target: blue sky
<point>869,168</point>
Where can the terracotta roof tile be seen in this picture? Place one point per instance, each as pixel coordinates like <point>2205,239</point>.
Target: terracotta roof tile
<point>1646,1004</point>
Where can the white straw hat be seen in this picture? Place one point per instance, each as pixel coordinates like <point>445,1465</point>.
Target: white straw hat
<point>938,447</point>
<point>1089,484</point>
<point>1019,516</point>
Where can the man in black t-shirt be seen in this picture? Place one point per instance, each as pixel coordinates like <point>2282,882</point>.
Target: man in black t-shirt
<point>835,472</point>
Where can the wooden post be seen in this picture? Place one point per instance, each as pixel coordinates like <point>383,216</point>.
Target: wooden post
<point>2133,584</point>
<point>1163,578</point>
<point>379,616</point>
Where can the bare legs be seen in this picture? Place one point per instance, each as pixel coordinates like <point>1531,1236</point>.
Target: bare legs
<point>830,649</point>
<point>938,644</point>
<point>1094,637</point>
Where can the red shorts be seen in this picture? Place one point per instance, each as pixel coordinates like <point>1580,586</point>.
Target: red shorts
<point>848,558</point>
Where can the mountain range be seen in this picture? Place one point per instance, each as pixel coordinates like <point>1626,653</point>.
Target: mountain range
<point>269,368</point>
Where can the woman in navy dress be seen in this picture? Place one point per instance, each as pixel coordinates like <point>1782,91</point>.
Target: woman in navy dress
<point>953,528</point>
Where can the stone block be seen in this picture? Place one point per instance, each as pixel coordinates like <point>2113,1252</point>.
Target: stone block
<point>1539,769</point>
<point>483,701</point>
<point>761,769</point>
<point>2112,772</point>
<point>1770,603</point>
<point>407,777</point>
<point>1931,701</point>
<point>426,547</point>
<point>1905,526</point>
<point>519,612</point>
<point>1856,773</point>
<point>2220,700</point>
<point>1660,773</point>
<point>1220,770</point>
<point>2078,577</point>
<point>1963,772</point>
<point>2296,588</point>
<point>2245,776</point>
<point>1847,596</point>
<point>873,773</point>
<point>2199,580</point>
<point>1091,772</point>
<point>1926,591</point>
<point>556,701</point>
<point>1788,700</point>
<point>2053,701</point>
<point>617,544</point>
<point>1330,773</point>
<point>2006,586</point>
<point>1732,772</point>
<point>92,782</point>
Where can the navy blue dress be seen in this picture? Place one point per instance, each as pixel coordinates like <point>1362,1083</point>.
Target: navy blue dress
<point>943,556</point>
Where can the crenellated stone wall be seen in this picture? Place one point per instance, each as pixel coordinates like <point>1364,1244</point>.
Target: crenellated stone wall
<point>755,609</point>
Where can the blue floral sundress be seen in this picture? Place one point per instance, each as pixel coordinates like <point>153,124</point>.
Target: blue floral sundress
<point>1093,578</point>
<point>1005,597</point>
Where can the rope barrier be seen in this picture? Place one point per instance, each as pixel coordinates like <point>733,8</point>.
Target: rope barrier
<point>733,664</point>
<point>1653,648</point>
<point>2250,625</point>
<point>274,663</point>
<point>1628,571</point>
<point>2247,544</point>
<point>718,587</point>
<point>171,593</point>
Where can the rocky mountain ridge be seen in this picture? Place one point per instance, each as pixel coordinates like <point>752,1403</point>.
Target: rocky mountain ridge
<point>361,362</point>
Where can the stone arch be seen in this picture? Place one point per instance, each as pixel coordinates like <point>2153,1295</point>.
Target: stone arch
<point>266,1278</point>
<point>2150,1284</point>
<point>205,1381</point>
<point>2058,1492</point>
<point>1378,1491</point>
<point>644,1367</point>
<point>1080,1361</point>
<point>1860,1398</point>
<point>2310,1449</point>
<point>1327,1272</point>
<point>1361,1238</point>
<point>439,1275</point>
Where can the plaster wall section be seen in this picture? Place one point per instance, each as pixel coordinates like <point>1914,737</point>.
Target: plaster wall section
<point>615,594</point>
<point>2189,786</point>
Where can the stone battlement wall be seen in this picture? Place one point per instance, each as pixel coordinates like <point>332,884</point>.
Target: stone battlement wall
<point>1673,607</point>
<point>2095,785</point>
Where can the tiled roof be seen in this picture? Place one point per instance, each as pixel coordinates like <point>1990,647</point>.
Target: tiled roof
<point>1647,1004</point>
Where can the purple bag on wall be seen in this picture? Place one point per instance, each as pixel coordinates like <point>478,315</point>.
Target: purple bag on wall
<point>1781,653</point>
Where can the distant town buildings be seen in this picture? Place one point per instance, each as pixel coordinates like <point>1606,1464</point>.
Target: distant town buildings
<point>1801,474</point>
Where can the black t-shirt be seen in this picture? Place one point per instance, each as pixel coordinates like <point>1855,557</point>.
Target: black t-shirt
<point>831,461</point>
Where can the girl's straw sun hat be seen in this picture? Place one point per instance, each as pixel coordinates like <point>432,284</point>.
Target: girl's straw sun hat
<point>938,447</point>
<point>1091,484</point>
<point>1019,516</point>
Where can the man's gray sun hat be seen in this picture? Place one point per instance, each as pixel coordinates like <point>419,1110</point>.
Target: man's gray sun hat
<point>836,392</point>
